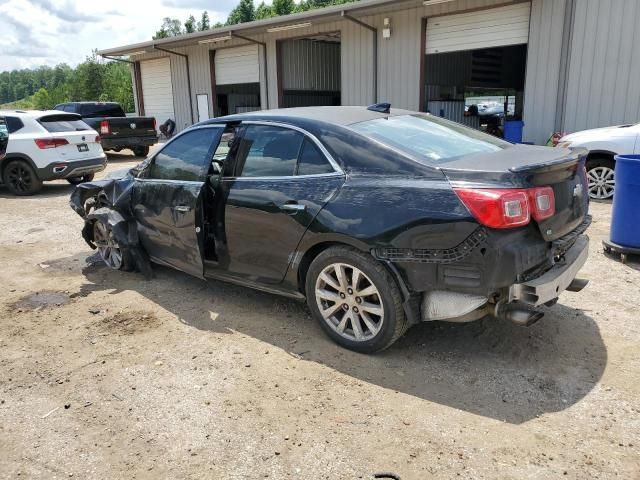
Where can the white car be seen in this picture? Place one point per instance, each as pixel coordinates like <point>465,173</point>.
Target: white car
<point>48,145</point>
<point>603,144</point>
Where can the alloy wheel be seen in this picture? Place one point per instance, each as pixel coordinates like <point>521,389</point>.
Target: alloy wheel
<point>349,302</point>
<point>19,178</point>
<point>601,182</point>
<point>108,247</point>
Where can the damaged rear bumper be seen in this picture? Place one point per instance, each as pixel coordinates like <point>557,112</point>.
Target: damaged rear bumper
<point>559,278</point>
<point>518,303</point>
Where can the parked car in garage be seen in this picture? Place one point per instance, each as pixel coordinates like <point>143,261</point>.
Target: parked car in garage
<point>4,137</point>
<point>379,218</point>
<point>116,129</point>
<point>48,145</point>
<point>603,144</point>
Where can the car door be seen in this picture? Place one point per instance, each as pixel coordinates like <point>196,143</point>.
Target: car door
<point>278,181</point>
<point>167,199</point>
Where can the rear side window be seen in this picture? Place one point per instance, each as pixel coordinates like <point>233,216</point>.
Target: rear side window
<point>185,158</point>
<point>267,151</point>
<point>63,123</point>
<point>312,161</point>
<point>14,124</point>
<point>90,110</point>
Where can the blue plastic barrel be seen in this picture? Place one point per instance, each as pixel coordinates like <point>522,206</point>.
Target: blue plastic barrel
<point>625,216</point>
<point>513,131</point>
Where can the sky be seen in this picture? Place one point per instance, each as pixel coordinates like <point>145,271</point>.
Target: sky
<point>48,32</point>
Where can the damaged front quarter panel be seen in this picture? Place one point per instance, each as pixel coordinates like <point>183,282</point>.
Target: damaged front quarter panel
<point>109,202</point>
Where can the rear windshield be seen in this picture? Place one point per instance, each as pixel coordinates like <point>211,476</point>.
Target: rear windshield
<point>63,123</point>
<point>425,137</point>
<point>91,110</point>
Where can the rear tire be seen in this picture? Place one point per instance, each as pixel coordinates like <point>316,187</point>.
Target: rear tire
<point>355,299</point>
<point>82,179</point>
<point>141,151</point>
<point>601,178</point>
<point>20,178</point>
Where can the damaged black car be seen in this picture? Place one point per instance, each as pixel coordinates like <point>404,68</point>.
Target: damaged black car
<point>379,218</point>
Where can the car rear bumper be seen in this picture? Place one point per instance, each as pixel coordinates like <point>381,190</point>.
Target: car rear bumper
<point>62,170</point>
<point>549,285</point>
<point>128,142</point>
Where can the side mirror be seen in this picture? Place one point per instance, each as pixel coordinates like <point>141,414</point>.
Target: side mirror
<point>217,166</point>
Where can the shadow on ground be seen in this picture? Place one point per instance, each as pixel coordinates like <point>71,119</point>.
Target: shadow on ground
<point>49,190</point>
<point>490,367</point>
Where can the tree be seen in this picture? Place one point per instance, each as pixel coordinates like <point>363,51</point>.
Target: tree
<point>244,12</point>
<point>171,27</point>
<point>190,25</point>
<point>203,24</point>
<point>283,7</point>
<point>41,100</point>
<point>263,11</point>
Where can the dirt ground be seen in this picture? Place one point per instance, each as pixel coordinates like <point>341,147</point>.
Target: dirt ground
<point>107,375</point>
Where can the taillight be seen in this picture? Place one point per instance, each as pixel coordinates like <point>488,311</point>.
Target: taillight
<point>98,139</point>
<point>497,208</point>
<point>543,202</point>
<point>507,208</point>
<point>105,129</point>
<point>44,143</point>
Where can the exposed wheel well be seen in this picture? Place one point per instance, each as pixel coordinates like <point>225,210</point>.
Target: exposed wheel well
<point>308,257</point>
<point>600,155</point>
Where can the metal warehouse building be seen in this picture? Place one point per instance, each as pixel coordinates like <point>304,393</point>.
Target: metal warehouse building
<point>568,64</point>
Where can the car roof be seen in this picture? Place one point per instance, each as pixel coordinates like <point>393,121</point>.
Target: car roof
<point>342,116</point>
<point>36,114</point>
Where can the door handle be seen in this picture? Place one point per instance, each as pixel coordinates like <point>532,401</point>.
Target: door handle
<point>293,207</point>
<point>182,208</point>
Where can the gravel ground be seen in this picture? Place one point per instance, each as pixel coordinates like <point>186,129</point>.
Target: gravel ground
<point>106,375</point>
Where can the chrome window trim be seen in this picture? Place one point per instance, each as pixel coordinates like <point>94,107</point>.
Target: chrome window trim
<point>312,137</point>
<point>171,182</point>
<point>285,177</point>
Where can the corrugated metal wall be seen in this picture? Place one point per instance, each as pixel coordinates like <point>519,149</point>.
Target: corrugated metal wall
<point>543,69</point>
<point>603,84</point>
<point>311,65</point>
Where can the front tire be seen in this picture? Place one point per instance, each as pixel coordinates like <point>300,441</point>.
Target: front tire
<point>355,299</point>
<point>141,151</point>
<point>21,179</point>
<point>78,180</point>
<point>601,178</point>
<point>113,255</point>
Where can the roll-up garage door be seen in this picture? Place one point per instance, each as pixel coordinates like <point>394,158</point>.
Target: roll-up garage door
<point>495,27</point>
<point>237,65</point>
<point>157,91</point>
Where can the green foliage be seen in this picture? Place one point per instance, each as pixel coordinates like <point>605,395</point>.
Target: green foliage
<point>171,27</point>
<point>204,23</point>
<point>45,87</point>
<point>244,12</point>
<point>283,7</point>
<point>190,25</point>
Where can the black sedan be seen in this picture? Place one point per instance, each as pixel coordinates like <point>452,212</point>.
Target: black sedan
<point>379,218</point>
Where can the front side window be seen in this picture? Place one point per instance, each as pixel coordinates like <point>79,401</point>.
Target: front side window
<point>186,158</point>
<point>267,151</point>
<point>63,123</point>
<point>431,139</point>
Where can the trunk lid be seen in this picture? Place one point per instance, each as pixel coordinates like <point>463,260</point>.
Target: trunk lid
<point>81,146</point>
<point>130,126</point>
<point>523,166</point>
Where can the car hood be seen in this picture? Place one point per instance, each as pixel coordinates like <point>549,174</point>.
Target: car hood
<point>600,133</point>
